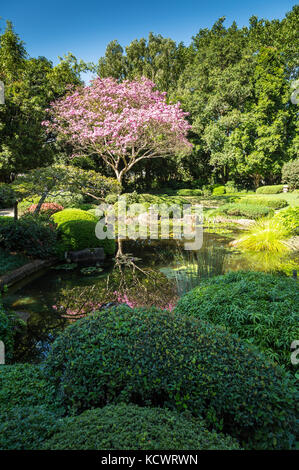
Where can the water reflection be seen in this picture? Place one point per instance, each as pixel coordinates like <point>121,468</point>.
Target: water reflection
<point>148,272</point>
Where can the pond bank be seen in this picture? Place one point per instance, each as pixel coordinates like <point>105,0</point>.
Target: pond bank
<point>20,273</point>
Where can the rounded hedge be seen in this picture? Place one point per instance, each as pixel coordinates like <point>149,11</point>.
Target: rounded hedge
<point>77,231</point>
<point>130,427</point>
<point>157,358</point>
<point>274,189</point>
<point>25,428</point>
<point>273,203</point>
<point>24,385</point>
<point>252,211</point>
<point>261,308</point>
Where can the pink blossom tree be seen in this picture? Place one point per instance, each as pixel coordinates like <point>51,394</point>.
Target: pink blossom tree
<point>122,123</point>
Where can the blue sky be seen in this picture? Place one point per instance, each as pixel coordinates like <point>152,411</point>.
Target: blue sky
<point>84,28</point>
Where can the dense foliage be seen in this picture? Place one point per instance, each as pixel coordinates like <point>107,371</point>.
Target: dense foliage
<point>26,428</point>
<point>261,308</point>
<point>77,231</point>
<point>129,427</point>
<point>140,356</point>
<point>29,235</point>
<point>290,174</point>
<point>23,385</point>
<point>290,218</point>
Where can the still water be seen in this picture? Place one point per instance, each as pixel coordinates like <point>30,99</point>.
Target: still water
<point>33,299</point>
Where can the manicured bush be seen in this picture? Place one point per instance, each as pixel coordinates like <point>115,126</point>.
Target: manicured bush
<point>129,427</point>
<point>157,358</point>
<point>48,208</point>
<point>265,201</point>
<point>290,219</point>
<point>30,235</point>
<point>251,211</point>
<point>26,428</point>
<point>77,231</point>
<point>274,189</point>
<point>24,385</point>
<point>219,190</point>
<point>290,174</point>
<point>261,308</point>
<point>189,192</point>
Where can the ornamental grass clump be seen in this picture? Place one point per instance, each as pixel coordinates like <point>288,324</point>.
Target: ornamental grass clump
<point>160,359</point>
<point>265,235</point>
<point>261,308</point>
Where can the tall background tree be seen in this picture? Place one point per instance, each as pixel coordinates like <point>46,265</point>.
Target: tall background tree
<point>31,84</point>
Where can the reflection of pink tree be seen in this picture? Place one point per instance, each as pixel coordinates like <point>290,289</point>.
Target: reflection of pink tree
<point>122,123</point>
<point>127,283</point>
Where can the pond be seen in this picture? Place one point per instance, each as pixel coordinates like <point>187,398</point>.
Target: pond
<point>35,299</point>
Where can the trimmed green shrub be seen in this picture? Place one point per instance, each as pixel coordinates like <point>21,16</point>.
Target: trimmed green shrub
<point>274,189</point>
<point>29,235</point>
<point>219,191</point>
<point>290,174</point>
<point>189,192</point>
<point>24,385</point>
<point>290,219</point>
<point>129,427</point>
<point>250,211</point>
<point>157,358</point>
<point>266,202</point>
<point>26,428</point>
<point>261,308</point>
<point>77,231</point>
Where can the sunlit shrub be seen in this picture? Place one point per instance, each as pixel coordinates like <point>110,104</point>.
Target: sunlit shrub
<point>77,231</point>
<point>265,235</point>
<point>274,189</point>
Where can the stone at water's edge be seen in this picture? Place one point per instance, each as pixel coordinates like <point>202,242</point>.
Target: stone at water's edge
<point>24,271</point>
<point>87,256</point>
